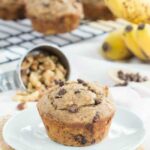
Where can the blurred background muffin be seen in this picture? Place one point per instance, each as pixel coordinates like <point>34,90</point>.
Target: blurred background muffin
<point>12,9</point>
<point>96,9</point>
<point>54,16</point>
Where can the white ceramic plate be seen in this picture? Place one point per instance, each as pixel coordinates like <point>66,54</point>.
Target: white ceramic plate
<point>25,131</point>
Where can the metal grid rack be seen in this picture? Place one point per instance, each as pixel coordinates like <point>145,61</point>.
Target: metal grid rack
<point>16,37</point>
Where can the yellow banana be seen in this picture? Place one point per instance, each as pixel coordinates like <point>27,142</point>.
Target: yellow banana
<point>115,7</point>
<point>129,36</point>
<point>136,11</point>
<point>114,47</point>
<point>143,38</point>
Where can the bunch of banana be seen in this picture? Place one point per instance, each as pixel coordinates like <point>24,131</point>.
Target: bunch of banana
<point>136,11</point>
<point>123,43</point>
<point>114,47</point>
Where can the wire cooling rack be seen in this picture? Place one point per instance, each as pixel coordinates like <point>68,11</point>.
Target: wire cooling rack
<point>16,37</point>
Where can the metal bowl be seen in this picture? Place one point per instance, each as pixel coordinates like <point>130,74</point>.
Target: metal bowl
<point>49,50</point>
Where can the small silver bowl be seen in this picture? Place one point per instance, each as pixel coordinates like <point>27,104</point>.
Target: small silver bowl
<point>12,80</point>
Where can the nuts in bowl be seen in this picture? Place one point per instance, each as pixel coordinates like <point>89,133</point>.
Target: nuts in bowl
<point>41,69</point>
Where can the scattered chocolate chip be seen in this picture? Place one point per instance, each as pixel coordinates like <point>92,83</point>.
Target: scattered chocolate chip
<point>130,77</point>
<point>128,28</point>
<point>106,47</point>
<point>73,108</point>
<point>96,118</point>
<point>77,92</point>
<point>141,26</point>
<point>21,106</point>
<point>62,92</point>
<point>122,84</point>
<point>90,127</point>
<point>97,101</point>
<point>81,139</point>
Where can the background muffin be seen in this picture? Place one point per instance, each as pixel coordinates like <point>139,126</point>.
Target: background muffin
<point>77,113</point>
<point>96,9</point>
<point>12,9</point>
<point>54,16</point>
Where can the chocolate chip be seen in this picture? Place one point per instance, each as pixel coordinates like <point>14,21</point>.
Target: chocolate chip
<point>89,127</point>
<point>47,127</point>
<point>128,28</point>
<point>62,92</point>
<point>57,96</point>
<point>77,92</point>
<point>106,47</point>
<point>96,118</point>
<point>92,90</point>
<point>59,82</point>
<point>73,108</point>
<point>80,81</point>
<point>130,77</point>
<point>97,101</point>
<point>121,84</point>
<point>141,26</point>
<point>81,139</point>
<point>93,141</point>
<point>45,4</point>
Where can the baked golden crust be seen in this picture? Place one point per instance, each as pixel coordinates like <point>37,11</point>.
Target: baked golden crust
<point>12,9</point>
<point>77,113</point>
<point>50,17</point>
<point>96,9</point>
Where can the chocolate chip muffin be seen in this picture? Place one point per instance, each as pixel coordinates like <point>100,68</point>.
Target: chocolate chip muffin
<point>12,9</point>
<point>96,9</point>
<point>54,16</point>
<point>77,113</point>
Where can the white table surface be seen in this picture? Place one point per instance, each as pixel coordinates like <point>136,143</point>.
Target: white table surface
<point>94,69</point>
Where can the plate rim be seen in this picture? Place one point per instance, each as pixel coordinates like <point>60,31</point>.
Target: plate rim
<point>117,108</point>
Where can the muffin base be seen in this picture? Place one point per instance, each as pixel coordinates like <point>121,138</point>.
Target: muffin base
<point>95,12</point>
<point>76,134</point>
<point>61,25</point>
<point>12,14</point>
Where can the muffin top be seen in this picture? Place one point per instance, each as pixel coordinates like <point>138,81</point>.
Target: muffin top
<point>53,8</point>
<point>77,102</point>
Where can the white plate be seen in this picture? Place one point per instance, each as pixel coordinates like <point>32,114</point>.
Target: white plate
<point>25,131</point>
